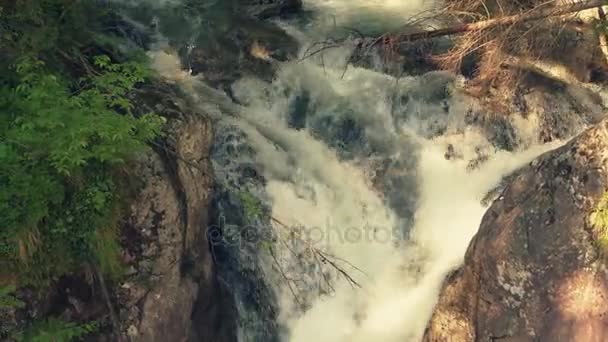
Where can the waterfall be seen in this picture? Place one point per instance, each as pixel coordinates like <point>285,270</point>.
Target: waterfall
<point>345,195</point>
<point>404,231</point>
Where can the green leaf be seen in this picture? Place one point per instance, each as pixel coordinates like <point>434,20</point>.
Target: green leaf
<point>102,61</point>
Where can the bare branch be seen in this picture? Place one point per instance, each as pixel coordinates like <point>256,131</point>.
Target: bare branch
<point>324,257</point>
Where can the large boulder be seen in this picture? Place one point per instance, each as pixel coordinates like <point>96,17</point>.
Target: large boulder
<point>535,271</point>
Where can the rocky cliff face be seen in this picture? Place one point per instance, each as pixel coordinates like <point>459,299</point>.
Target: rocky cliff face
<point>534,271</point>
<point>171,276</point>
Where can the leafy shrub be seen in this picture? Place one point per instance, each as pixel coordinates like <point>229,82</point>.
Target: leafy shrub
<point>60,147</point>
<point>67,133</point>
<point>39,27</point>
<point>56,330</point>
<point>7,299</point>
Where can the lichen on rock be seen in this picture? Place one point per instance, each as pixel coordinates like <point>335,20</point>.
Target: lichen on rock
<point>533,271</point>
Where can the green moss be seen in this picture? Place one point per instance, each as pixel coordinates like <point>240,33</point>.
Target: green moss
<point>599,222</point>
<point>252,206</point>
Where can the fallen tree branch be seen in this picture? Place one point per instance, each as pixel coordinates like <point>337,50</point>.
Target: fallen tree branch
<point>503,21</point>
<point>474,29</point>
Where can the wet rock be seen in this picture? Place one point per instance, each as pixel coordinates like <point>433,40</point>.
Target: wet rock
<point>496,193</point>
<point>132,331</point>
<point>344,134</point>
<point>451,153</point>
<point>240,242</point>
<point>413,58</point>
<point>134,33</point>
<point>501,134</point>
<point>265,9</point>
<point>533,272</point>
<point>562,109</point>
<point>481,156</point>
<point>246,47</point>
<point>298,110</point>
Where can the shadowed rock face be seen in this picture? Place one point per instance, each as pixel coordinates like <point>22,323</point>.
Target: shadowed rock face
<point>270,8</point>
<point>533,272</point>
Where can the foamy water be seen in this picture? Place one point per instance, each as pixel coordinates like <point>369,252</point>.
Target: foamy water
<point>397,303</point>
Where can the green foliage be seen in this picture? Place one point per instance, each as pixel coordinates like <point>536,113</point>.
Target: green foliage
<point>252,206</point>
<point>599,221</point>
<point>600,25</point>
<point>67,133</point>
<point>107,249</point>
<point>60,147</point>
<point>35,27</point>
<point>56,330</point>
<point>7,298</point>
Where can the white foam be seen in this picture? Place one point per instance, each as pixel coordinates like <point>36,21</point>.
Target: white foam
<point>399,302</point>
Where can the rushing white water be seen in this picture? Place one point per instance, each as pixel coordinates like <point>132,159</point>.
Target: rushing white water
<point>401,284</point>
<point>334,199</point>
<point>310,186</point>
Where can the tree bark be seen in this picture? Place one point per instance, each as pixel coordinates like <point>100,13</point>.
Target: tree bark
<point>535,14</point>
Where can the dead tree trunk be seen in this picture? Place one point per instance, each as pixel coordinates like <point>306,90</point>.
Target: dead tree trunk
<point>535,14</point>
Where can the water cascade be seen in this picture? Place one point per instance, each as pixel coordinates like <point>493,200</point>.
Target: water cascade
<point>344,195</point>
